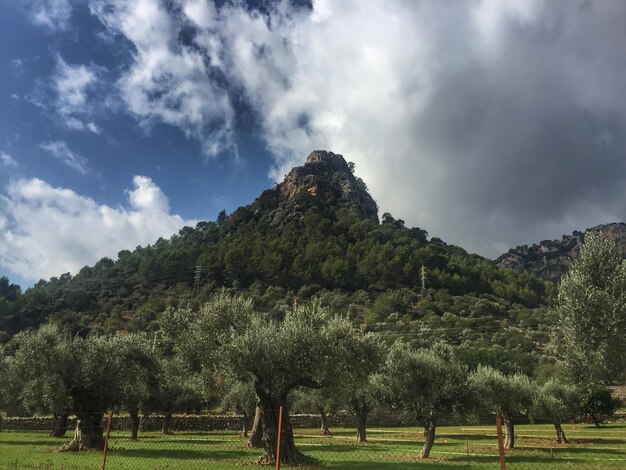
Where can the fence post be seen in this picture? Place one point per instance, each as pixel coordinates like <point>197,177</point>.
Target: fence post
<point>280,429</point>
<point>106,441</point>
<point>500,442</point>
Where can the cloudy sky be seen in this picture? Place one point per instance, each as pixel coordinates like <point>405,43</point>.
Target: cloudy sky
<point>489,123</point>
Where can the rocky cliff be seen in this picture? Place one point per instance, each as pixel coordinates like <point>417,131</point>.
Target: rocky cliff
<point>550,259</point>
<point>326,178</point>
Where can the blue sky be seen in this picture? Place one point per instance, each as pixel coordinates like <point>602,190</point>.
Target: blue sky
<point>487,123</point>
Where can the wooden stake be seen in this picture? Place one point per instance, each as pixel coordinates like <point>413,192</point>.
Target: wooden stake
<point>500,442</point>
<point>106,440</point>
<point>280,429</point>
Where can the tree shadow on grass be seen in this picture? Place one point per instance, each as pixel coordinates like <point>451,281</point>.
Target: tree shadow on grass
<point>47,443</point>
<point>431,464</point>
<point>183,454</point>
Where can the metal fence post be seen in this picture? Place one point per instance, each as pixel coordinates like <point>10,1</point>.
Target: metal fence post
<point>106,440</point>
<point>500,442</point>
<point>280,428</point>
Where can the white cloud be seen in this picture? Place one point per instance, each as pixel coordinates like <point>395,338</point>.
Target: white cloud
<point>52,14</point>
<point>46,231</point>
<point>167,81</point>
<point>485,136</point>
<point>63,153</point>
<point>7,160</point>
<point>71,84</point>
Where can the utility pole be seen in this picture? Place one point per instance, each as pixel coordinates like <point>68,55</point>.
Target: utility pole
<point>196,280</point>
<point>423,277</point>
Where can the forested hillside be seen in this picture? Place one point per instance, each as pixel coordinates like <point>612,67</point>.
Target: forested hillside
<point>316,234</point>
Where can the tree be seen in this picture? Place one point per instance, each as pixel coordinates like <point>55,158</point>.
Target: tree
<point>592,314</point>
<point>304,349</point>
<point>357,386</point>
<point>36,370</point>
<point>142,378</point>
<point>427,384</point>
<point>558,402</point>
<point>504,395</point>
<point>240,398</point>
<point>87,375</point>
<point>320,401</point>
<point>598,404</point>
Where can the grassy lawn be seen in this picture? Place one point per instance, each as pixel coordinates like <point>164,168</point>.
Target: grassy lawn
<point>393,448</point>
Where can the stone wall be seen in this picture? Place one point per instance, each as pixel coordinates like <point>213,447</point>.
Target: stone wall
<point>205,422</point>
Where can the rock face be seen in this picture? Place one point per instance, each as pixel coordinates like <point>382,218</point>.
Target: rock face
<point>550,259</point>
<point>325,176</point>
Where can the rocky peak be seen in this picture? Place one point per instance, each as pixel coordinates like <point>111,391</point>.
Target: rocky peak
<point>328,176</point>
<point>550,259</point>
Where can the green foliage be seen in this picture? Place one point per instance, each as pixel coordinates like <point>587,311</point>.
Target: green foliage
<point>599,405</point>
<point>501,394</point>
<point>592,314</point>
<point>425,383</point>
<point>91,374</point>
<point>556,401</point>
<point>238,397</point>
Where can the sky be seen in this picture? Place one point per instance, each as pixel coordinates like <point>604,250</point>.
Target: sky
<point>488,123</point>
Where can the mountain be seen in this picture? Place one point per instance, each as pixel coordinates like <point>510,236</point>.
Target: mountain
<point>550,259</point>
<point>315,235</point>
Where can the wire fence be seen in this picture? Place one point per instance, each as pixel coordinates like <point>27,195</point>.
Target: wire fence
<point>27,444</point>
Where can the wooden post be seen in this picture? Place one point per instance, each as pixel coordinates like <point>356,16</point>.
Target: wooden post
<point>106,440</point>
<point>280,430</point>
<point>500,442</point>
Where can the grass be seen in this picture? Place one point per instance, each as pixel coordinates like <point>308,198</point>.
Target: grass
<point>456,447</point>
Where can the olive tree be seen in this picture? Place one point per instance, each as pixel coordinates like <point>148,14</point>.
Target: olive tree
<point>87,375</point>
<point>321,401</point>
<point>304,349</point>
<point>239,397</point>
<point>353,387</point>
<point>36,371</point>
<point>357,386</point>
<point>558,402</point>
<point>591,306</point>
<point>426,384</point>
<point>504,395</point>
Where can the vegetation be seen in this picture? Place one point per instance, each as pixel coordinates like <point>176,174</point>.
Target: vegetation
<point>508,396</point>
<point>426,384</point>
<point>592,309</point>
<point>277,304</point>
<point>85,376</point>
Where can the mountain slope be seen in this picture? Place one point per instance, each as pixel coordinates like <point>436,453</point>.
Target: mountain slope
<point>316,234</point>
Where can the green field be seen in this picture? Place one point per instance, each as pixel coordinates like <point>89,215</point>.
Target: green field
<point>389,448</point>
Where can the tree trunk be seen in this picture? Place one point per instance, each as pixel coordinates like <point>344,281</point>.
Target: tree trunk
<point>560,434</point>
<point>509,433</point>
<point>361,423</point>
<point>59,424</point>
<point>289,454</point>
<point>324,427</point>
<point>244,425</point>
<point>256,435</point>
<point>134,423</point>
<point>167,423</point>
<point>429,435</point>
<point>88,433</point>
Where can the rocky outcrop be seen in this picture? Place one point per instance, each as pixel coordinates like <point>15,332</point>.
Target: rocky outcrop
<point>325,178</point>
<point>550,259</point>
